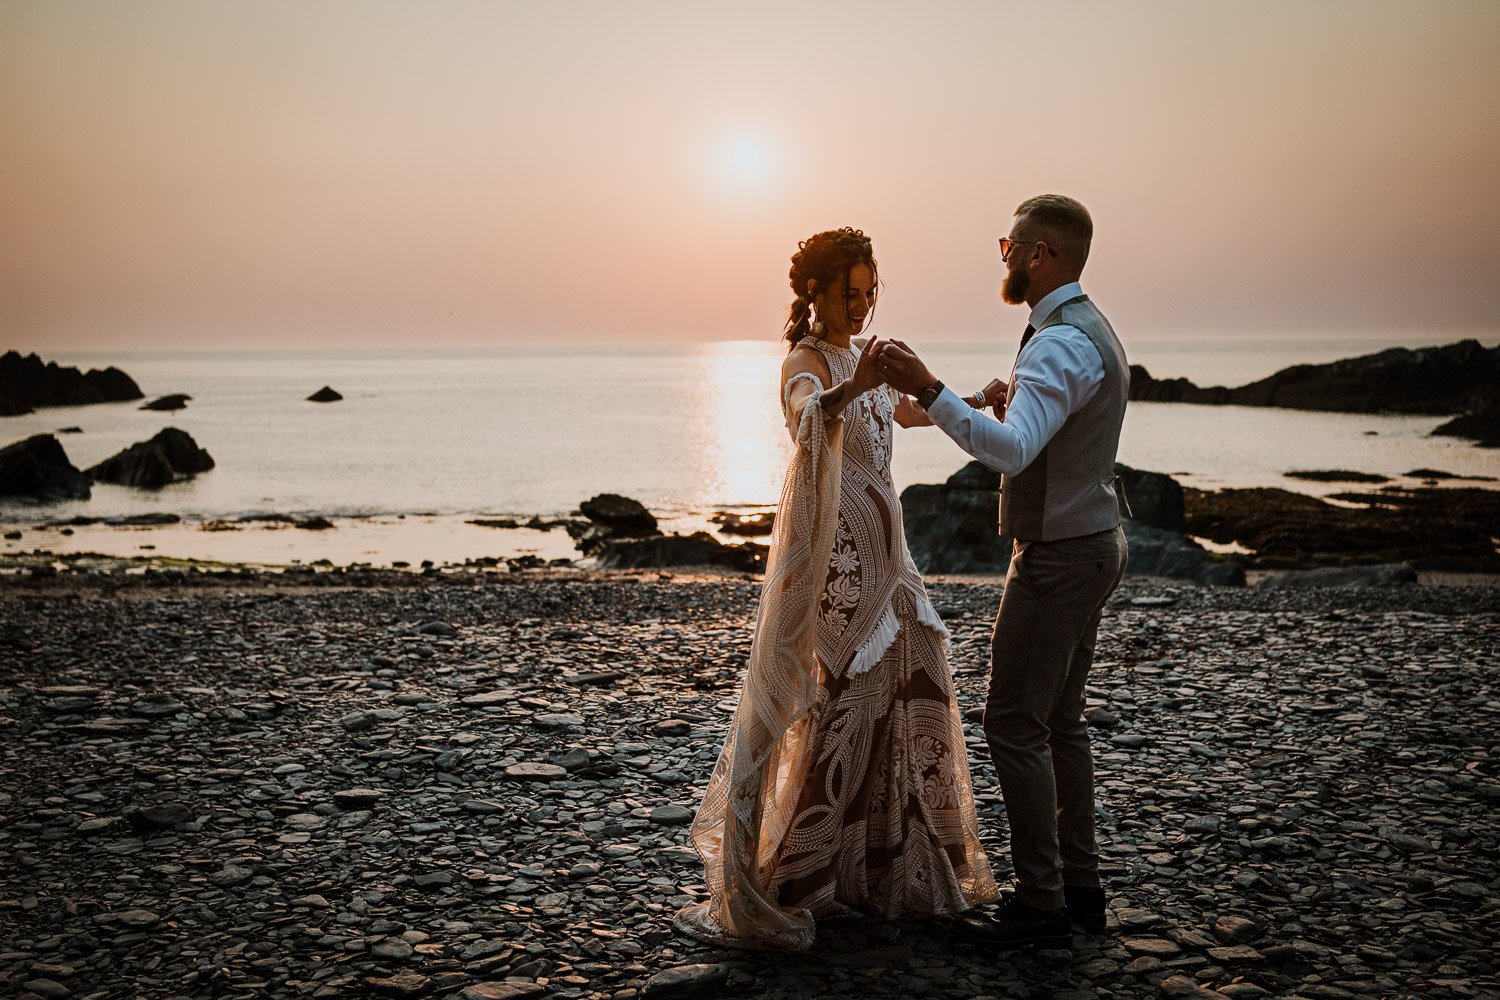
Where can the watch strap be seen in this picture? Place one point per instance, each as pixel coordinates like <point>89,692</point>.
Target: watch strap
<point>929,395</point>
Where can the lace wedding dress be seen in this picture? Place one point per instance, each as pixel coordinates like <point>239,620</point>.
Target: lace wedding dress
<point>843,785</point>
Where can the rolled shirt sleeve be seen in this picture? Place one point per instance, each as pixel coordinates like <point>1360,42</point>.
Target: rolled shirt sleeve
<point>1057,372</point>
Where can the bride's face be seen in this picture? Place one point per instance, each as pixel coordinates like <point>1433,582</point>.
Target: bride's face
<point>844,308</point>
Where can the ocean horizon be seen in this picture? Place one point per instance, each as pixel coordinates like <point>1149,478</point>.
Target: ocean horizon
<point>428,438</point>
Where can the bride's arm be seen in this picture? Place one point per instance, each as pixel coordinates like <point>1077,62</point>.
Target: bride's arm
<point>834,398</point>
<point>909,414</point>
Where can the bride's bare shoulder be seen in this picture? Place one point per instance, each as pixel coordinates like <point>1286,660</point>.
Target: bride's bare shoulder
<point>804,358</point>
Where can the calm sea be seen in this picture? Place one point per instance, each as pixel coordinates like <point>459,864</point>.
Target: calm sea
<point>438,435</point>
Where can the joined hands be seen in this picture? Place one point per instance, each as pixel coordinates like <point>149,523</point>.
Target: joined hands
<point>900,368</point>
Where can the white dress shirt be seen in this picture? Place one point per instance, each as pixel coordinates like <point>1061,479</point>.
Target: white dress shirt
<point>1058,371</point>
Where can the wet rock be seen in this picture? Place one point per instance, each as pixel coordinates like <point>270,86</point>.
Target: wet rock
<point>38,467</point>
<point>1155,552</point>
<point>698,549</point>
<point>1153,499</point>
<point>169,456</point>
<point>619,514</point>
<point>325,395</point>
<point>760,523</point>
<point>175,401</point>
<point>952,528</point>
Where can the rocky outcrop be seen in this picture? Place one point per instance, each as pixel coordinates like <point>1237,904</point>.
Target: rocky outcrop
<point>952,528</point>
<point>621,533</point>
<point>698,549</point>
<point>166,458</point>
<point>1153,498</point>
<point>1430,528</point>
<point>325,395</point>
<point>26,382</point>
<point>38,467</point>
<point>760,523</point>
<point>163,404</point>
<point>1482,426</point>
<point>1159,552</point>
<point>619,514</point>
<point>1456,378</point>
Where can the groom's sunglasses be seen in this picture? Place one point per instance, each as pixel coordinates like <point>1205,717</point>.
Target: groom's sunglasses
<point>1007,245</point>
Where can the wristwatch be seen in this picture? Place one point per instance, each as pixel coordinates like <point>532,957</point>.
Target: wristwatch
<point>929,395</point>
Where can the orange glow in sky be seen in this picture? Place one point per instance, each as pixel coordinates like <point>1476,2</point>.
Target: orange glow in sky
<point>376,173</point>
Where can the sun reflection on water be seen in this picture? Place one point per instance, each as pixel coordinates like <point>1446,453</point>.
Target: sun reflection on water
<point>748,446</point>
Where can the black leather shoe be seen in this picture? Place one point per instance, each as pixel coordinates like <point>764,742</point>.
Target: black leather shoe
<point>1085,908</point>
<point>1019,926</point>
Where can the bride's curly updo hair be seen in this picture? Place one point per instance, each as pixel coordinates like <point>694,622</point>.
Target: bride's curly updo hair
<point>825,258</point>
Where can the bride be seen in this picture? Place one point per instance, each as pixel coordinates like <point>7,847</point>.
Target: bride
<point>843,785</point>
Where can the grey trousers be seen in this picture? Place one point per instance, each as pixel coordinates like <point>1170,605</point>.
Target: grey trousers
<point>1041,652</point>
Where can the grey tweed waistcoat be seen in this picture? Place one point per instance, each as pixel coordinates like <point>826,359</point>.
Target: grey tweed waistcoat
<point>1069,488</point>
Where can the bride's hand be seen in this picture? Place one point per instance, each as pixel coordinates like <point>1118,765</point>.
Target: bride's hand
<point>866,376</point>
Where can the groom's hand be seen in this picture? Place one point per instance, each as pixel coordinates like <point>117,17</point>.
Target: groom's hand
<point>995,392</point>
<point>902,369</point>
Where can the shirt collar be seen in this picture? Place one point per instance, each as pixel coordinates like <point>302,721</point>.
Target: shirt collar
<point>1053,299</point>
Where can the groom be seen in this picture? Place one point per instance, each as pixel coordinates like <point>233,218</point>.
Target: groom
<point>1055,448</point>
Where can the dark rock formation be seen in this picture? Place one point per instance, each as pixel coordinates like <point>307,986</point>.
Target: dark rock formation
<point>143,519</point>
<point>38,467</point>
<point>1154,498</point>
<point>1335,476</point>
<point>620,514</point>
<point>745,524</point>
<point>169,456</point>
<point>1483,426</point>
<point>26,383</point>
<point>324,395</point>
<point>1159,552</point>
<point>698,549</point>
<point>954,528</point>
<point>315,523</point>
<point>1457,378</point>
<point>176,401</point>
<point>1430,528</point>
<point>1384,575</point>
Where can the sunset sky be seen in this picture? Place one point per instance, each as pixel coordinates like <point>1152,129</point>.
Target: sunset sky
<point>370,173</point>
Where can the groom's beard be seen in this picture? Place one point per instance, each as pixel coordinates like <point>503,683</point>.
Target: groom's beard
<point>1013,289</point>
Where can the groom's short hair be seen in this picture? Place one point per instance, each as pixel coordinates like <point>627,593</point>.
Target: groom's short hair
<point>1063,220</point>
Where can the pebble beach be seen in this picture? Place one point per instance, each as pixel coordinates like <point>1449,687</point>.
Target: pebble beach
<point>478,786</point>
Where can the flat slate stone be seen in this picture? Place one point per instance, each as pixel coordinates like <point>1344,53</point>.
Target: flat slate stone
<point>1158,947</point>
<point>535,771</point>
<point>687,982</point>
<point>671,815</point>
<point>490,698</point>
